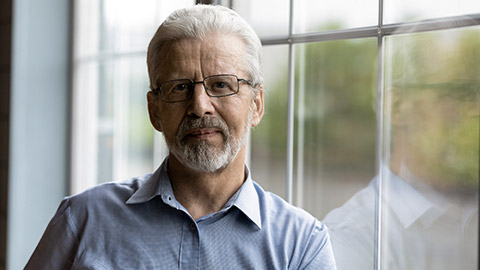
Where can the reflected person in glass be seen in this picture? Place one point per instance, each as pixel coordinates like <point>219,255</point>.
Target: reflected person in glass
<point>201,209</point>
<point>429,191</point>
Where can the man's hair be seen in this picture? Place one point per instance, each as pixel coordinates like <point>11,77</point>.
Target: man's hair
<point>200,22</point>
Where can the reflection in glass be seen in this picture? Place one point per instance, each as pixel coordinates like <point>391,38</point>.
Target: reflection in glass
<point>336,132</point>
<point>314,15</point>
<point>268,139</point>
<point>432,159</point>
<point>429,164</point>
<point>336,140</point>
<point>335,117</point>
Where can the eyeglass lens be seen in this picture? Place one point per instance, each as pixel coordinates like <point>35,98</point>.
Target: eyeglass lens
<point>216,86</point>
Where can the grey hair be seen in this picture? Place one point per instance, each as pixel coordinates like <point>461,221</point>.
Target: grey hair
<point>199,22</point>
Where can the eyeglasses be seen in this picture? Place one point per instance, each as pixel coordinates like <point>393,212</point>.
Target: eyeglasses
<point>216,86</point>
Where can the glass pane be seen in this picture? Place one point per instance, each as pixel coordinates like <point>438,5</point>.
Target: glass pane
<point>127,26</point>
<point>86,28</point>
<point>431,160</point>
<point>165,7</point>
<point>133,82</point>
<point>125,134</point>
<point>119,25</point>
<point>411,10</point>
<point>335,134</point>
<point>268,142</point>
<point>112,136</point>
<point>267,17</point>
<point>314,15</point>
<point>105,115</point>
<point>84,126</point>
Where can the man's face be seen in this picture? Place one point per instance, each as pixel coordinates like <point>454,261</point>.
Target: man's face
<point>205,133</point>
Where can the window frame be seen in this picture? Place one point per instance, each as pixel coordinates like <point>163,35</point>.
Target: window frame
<point>378,31</point>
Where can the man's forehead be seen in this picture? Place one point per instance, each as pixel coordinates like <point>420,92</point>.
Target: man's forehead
<point>221,53</point>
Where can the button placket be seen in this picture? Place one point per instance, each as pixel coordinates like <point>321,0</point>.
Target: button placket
<point>190,249</point>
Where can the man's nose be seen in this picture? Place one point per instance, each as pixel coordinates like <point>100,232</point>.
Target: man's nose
<point>201,103</point>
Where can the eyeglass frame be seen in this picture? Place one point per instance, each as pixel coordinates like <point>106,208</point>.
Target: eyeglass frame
<point>159,89</point>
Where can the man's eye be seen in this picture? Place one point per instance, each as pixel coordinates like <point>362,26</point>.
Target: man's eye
<point>180,87</point>
<point>219,85</point>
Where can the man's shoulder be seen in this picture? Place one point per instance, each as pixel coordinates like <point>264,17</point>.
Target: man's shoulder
<point>106,195</point>
<point>295,232</point>
<point>277,210</point>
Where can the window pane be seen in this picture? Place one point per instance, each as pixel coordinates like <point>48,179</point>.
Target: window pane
<point>106,128</point>
<point>133,131</point>
<point>86,28</point>
<point>84,126</point>
<point>268,144</point>
<point>112,136</point>
<point>127,25</point>
<point>267,17</point>
<point>432,159</point>
<point>335,135</point>
<point>125,136</point>
<point>336,99</point>
<point>411,10</point>
<point>314,15</point>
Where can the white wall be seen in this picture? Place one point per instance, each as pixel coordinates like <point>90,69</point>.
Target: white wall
<point>40,115</point>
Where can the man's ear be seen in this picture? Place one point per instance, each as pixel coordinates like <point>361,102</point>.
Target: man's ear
<point>258,107</point>
<point>153,111</point>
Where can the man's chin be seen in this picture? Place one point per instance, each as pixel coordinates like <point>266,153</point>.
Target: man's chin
<point>203,167</point>
<point>201,158</point>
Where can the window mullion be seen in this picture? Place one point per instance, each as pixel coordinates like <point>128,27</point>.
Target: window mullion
<point>291,108</point>
<point>379,145</point>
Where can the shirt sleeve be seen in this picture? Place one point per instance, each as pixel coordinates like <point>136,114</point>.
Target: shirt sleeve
<point>58,245</point>
<point>318,253</point>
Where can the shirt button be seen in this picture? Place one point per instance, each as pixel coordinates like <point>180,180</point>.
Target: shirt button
<point>192,226</point>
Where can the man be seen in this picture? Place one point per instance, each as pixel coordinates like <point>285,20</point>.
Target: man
<point>200,209</point>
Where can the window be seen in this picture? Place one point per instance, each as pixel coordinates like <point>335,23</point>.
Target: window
<point>432,123</point>
<point>112,136</point>
<point>372,118</point>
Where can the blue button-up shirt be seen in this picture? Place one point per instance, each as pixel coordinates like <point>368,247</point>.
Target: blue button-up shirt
<point>138,224</point>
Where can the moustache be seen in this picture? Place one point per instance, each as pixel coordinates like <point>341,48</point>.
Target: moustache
<point>190,123</point>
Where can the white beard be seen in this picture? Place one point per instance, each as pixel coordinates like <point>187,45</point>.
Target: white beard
<point>202,156</point>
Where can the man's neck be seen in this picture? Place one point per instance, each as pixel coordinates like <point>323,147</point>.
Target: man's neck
<point>204,193</point>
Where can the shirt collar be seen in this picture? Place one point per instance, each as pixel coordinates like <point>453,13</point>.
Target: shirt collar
<point>158,184</point>
<point>410,205</point>
<point>247,200</point>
